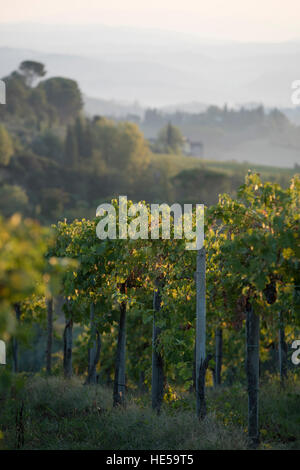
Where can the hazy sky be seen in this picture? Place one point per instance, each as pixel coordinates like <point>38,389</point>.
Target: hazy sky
<point>243,20</point>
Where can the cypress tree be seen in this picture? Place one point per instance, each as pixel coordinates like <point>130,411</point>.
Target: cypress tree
<point>71,154</point>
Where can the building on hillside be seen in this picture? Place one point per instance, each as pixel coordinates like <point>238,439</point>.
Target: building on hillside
<point>193,148</point>
<point>190,148</point>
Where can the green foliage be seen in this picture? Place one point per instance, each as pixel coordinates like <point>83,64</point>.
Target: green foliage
<point>258,241</point>
<point>13,199</point>
<point>71,153</point>
<point>49,145</point>
<point>63,95</point>
<point>57,99</point>
<point>17,94</point>
<point>122,146</point>
<point>252,247</point>
<point>195,185</point>
<point>263,216</point>
<point>87,160</point>
<point>170,140</point>
<point>32,70</point>
<point>279,416</point>
<point>251,241</point>
<point>27,270</point>
<point>66,415</point>
<point>6,147</point>
<point>22,251</point>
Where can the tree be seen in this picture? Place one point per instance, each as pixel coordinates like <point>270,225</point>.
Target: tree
<point>170,140</point>
<point>31,105</point>
<point>32,71</point>
<point>48,145</point>
<point>6,147</point>
<point>71,153</point>
<point>196,185</point>
<point>122,147</point>
<point>13,199</point>
<point>132,152</point>
<point>64,95</point>
<point>17,94</point>
<point>80,134</point>
<point>53,201</point>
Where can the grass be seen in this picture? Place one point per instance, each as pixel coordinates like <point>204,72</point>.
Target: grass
<point>279,412</point>
<point>174,164</point>
<point>67,415</point>
<point>60,414</point>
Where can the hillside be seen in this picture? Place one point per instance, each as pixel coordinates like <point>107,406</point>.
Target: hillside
<point>58,163</point>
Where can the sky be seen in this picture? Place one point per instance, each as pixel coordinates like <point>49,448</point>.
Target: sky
<point>237,20</point>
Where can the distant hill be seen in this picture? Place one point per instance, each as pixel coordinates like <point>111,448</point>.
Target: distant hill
<point>156,68</point>
<point>98,106</point>
<point>293,114</point>
<point>122,72</point>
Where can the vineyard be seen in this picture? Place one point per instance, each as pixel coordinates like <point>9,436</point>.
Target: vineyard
<point>149,323</point>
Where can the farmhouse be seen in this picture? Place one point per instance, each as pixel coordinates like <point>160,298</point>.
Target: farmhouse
<point>193,148</point>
